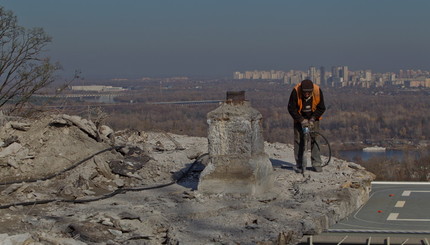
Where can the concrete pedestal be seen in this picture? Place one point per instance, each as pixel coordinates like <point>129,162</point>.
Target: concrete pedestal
<point>238,163</point>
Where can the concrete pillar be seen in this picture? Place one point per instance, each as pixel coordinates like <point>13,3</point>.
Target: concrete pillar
<point>238,163</point>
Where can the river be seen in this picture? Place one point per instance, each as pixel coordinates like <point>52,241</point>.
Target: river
<point>351,155</point>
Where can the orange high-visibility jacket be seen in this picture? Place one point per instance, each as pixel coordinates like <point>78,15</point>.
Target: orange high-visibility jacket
<point>315,94</point>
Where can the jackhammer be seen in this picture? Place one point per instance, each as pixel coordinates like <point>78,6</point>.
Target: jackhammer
<point>308,135</point>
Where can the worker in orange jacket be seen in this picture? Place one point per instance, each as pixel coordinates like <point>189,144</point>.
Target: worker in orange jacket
<point>306,106</point>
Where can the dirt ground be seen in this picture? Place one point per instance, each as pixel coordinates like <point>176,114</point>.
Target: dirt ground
<point>65,181</point>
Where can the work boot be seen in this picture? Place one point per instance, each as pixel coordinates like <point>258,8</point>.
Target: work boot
<point>317,169</point>
<point>298,169</point>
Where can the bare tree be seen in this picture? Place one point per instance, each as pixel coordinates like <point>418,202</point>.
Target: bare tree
<point>23,70</point>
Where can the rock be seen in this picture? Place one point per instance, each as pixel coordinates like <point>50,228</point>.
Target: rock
<point>284,238</point>
<point>16,239</point>
<point>10,150</point>
<point>103,168</point>
<point>119,182</point>
<point>91,232</point>
<point>46,239</point>
<point>128,165</point>
<point>127,226</point>
<point>355,166</point>
<point>105,131</point>
<point>193,154</point>
<point>159,146</point>
<point>10,189</point>
<point>13,162</point>
<point>115,232</point>
<point>24,153</point>
<point>70,190</point>
<point>89,193</point>
<point>20,126</point>
<point>132,137</point>
<point>128,215</point>
<point>134,175</point>
<point>10,140</point>
<point>107,221</point>
<point>178,146</point>
<point>85,125</point>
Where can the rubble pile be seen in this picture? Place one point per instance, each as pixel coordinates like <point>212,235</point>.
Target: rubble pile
<point>63,157</point>
<point>65,181</point>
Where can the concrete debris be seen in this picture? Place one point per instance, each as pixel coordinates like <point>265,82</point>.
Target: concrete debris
<point>105,131</point>
<point>83,124</point>
<point>159,146</point>
<point>103,168</point>
<point>90,232</point>
<point>20,126</point>
<point>49,171</point>
<point>16,239</point>
<point>9,141</point>
<point>46,239</point>
<point>12,149</point>
<point>177,144</point>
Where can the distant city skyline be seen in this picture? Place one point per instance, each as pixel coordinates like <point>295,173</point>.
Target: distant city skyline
<point>341,76</point>
<point>131,39</point>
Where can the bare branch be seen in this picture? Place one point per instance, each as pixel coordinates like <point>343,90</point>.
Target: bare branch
<point>23,70</point>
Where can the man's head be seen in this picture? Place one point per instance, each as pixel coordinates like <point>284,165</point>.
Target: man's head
<point>307,88</point>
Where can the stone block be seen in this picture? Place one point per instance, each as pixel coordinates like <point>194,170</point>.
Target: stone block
<point>238,163</point>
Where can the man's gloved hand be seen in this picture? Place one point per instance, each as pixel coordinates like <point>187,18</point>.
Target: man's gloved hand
<point>305,123</point>
<point>311,122</point>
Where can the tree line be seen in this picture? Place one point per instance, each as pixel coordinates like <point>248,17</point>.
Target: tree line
<point>353,116</point>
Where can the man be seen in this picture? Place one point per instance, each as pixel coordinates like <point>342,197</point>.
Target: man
<point>306,106</point>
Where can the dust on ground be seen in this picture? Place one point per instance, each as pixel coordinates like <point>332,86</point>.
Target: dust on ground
<point>66,181</point>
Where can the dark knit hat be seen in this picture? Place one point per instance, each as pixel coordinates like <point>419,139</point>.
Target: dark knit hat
<point>307,85</point>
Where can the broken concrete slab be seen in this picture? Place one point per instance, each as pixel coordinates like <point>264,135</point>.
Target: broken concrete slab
<point>12,149</point>
<point>20,126</point>
<point>24,238</point>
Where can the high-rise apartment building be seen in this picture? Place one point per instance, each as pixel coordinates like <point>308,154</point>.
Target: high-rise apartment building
<point>368,75</point>
<point>312,73</point>
<point>238,75</point>
<point>345,74</point>
<point>322,77</point>
<point>335,73</point>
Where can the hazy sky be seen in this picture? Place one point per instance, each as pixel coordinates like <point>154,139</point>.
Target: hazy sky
<point>138,38</point>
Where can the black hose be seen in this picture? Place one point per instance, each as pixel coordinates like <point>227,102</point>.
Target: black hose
<point>114,193</point>
<point>328,144</point>
<point>62,171</point>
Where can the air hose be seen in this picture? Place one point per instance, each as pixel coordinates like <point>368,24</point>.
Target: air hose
<point>86,200</point>
<point>328,145</point>
<point>307,132</point>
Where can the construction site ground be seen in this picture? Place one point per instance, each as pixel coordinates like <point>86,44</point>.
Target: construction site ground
<point>78,183</point>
